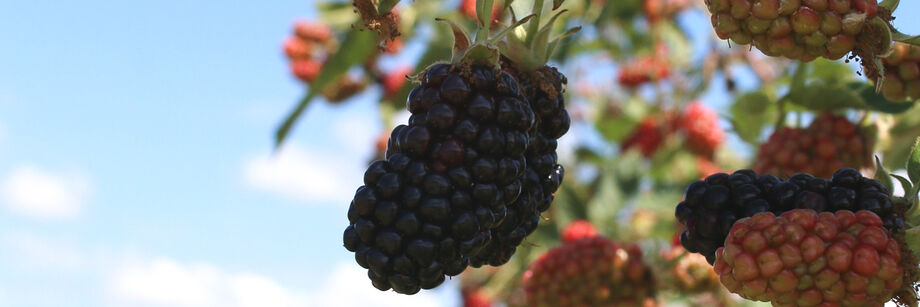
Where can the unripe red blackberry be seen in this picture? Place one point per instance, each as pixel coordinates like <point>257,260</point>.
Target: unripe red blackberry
<point>394,80</point>
<point>806,258</point>
<point>689,272</point>
<point>577,230</point>
<point>656,10</point>
<point>447,181</point>
<point>642,70</point>
<point>544,89</point>
<point>712,206</point>
<point>701,129</point>
<point>305,69</point>
<point>647,136</point>
<point>297,48</point>
<point>829,143</point>
<point>312,30</point>
<point>796,29</point>
<point>902,77</point>
<point>590,272</point>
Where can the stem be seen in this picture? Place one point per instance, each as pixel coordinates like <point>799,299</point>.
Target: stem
<point>781,120</point>
<point>534,26</point>
<point>484,15</point>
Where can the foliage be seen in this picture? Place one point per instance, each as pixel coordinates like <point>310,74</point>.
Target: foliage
<point>630,196</point>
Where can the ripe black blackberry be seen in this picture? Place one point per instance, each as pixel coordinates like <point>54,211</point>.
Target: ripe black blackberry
<point>711,206</point>
<point>544,89</point>
<point>448,177</point>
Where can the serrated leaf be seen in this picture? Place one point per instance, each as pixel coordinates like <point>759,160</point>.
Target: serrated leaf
<point>357,47</point>
<point>913,164</point>
<point>878,102</point>
<point>883,176</point>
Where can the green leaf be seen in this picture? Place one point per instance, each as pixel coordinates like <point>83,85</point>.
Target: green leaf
<point>904,38</point>
<point>877,102</point>
<point>905,184</point>
<point>821,96</point>
<point>384,6</point>
<point>567,207</point>
<point>913,163</point>
<point>607,200</point>
<point>891,5</point>
<point>883,176</point>
<point>750,113</point>
<point>799,76</point>
<point>912,237</point>
<point>357,47</point>
<point>557,4</point>
<point>831,72</point>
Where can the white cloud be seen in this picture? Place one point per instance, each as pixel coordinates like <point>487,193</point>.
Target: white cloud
<point>165,282</point>
<point>34,192</point>
<point>357,135</point>
<point>348,286</point>
<point>43,253</point>
<point>306,175</point>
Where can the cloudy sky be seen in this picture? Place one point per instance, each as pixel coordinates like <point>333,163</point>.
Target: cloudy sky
<point>136,166</point>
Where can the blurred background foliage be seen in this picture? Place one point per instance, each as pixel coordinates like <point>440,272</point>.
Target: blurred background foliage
<point>634,64</point>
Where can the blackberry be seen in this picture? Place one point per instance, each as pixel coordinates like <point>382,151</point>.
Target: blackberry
<point>902,77</point>
<point>829,143</point>
<point>712,206</point>
<point>800,30</point>
<point>544,90</point>
<point>448,178</point>
<point>543,87</point>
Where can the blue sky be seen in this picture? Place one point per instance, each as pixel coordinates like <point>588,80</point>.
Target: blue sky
<point>135,165</point>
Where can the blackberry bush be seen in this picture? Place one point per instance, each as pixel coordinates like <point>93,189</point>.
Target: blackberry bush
<point>711,206</point>
<point>449,175</point>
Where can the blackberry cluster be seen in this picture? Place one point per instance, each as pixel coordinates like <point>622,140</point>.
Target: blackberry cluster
<point>711,206</point>
<point>801,30</point>
<point>543,174</point>
<point>307,48</point>
<point>829,143</point>
<point>307,51</point>
<point>902,73</point>
<point>448,179</point>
